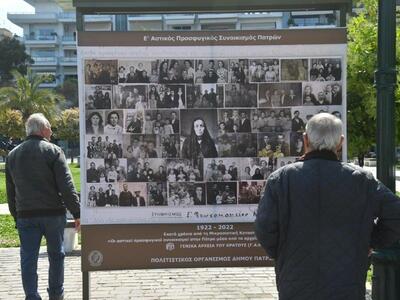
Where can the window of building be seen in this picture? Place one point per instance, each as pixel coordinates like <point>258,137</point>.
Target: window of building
<point>181,27</point>
<point>218,26</point>
<point>258,26</point>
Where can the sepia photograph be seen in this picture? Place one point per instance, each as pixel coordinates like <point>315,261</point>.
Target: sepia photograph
<point>250,192</point>
<point>134,71</point>
<point>205,95</point>
<point>221,193</point>
<point>240,95</point>
<point>326,69</point>
<point>131,97</point>
<point>101,71</point>
<point>294,70</point>
<point>274,145</point>
<point>95,122</point>
<point>102,195</point>
<point>264,70</point>
<point>186,194</point>
<point>98,97</point>
<point>211,71</point>
<point>279,94</point>
<point>133,121</point>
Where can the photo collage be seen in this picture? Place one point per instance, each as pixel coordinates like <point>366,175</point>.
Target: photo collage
<point>184,132</point>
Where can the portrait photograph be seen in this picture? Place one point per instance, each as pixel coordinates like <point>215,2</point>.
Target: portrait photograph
<point>170,145</point>
<point>134,122</point>
<point>240,95</point>
<point>238,71</point>
<point>157,194</point>
<point>95,122</point>
<point>280,94</point>
<point>186,194</point>
<point>135,71</point>
<point>326,69</point>
<point>176,71</point>
<point>264,70</point>
<point>131,97</point>
<point>250,192</point>
<point>104,146</point>
<point>101,71</point>
<point>209,95</point>
<point>181,170</point>
<point>271,120</point>
<point>237,145</point>
<point>294,70</point>
<point>274,145</point>
<point>198,133</point>
<point>322,93</point>
<point>141,146</point>
<point>211,71</point>
<point>133,194</point>
<point>162,122</point>
<point>98,97</point>
<point>234,121</point>
<point>221,169</point>
<point>221,193</point>
<point>296,144</point>
<point>256,168</point>
<point>146,170</point>
<point>102,195</point>
<point>114,122</point>
<point>167,96</point>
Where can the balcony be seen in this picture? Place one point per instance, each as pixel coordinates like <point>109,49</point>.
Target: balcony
<point>69,17</point>
<point>27,18</point>
<point>98,18</point>
<point>45,60</point>
<point>68,61</point>
<point>68,40</point>
<point>41,40</point>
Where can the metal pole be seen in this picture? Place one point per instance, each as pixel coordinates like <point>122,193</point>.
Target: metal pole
<point>386,266</point>
<point>385,78</point>
<point>85,285</point>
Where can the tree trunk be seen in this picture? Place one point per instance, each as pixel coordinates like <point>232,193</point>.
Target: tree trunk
<point>360,158</point>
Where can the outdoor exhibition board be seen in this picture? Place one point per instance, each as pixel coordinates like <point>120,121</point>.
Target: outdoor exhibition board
<point>180,131</point>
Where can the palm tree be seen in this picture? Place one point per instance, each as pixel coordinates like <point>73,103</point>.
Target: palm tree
<point>28,98</point>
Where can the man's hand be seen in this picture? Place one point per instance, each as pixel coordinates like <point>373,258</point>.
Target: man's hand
<point>77,225</point>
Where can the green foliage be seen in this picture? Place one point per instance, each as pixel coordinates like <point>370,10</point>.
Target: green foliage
<point>69,89</point>
<point>76,175</point>
<point>8,233</point>
<point>361,65</point>
<point>12,56</point>
<point>28,98</point>
<point>3,194</point>
<point>67,125</point>
<point>11,123</point>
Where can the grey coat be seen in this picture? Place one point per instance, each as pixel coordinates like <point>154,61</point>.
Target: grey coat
<point>316,219</point>
<point>38,180</point>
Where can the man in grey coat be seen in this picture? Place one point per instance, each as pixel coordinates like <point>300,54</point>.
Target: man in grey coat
<point>320,217</point>
<point>39,189</point>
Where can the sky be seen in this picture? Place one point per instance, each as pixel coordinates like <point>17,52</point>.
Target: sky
<point>13,6</point>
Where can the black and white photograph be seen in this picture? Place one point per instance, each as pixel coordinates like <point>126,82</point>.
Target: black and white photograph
<point>302,114</point>
<point>250,192</point>
<point>237,145</point>
<point>198,133</point>
<point>106,170</point>
<point>321,93</point>
<point>170,145</point>
<point>274,145</point>
<point>102,195</point>
<point>271,120</point>
<point>133,194</point>
<point>167,96</point>
<point>180,170</point>
<point>294,70</point>
<point>134,122</point>
<point>240,95</point>
<point>264,70</point>
<point>134,71</point>
<point>95,171</point>
<point>141,146</point>
<point>234,121</point>
<point>283,161</point>
<point>220,193</point>
<point>157,193</point>
<point>296,144</point>
<point>279,94</point>
<point>238,71</point>
<point>114,122</point>
<point>186,194</point>
<point>146,170</point>
<point>212,71</point>
<point>131,97</point>
<point>256,168</point>
<point>326,69</point>
<point>209,95</point>
<point>221,169</point>
<point>163,122</point>
<point>95,121</point>
<point>104,146</point>
<point>98,96</point>
<point>176,71</point>
<point>101,71</point>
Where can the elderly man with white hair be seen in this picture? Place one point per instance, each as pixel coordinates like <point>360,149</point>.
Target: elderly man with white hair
<point>319,218</point>
<point>39,190</point>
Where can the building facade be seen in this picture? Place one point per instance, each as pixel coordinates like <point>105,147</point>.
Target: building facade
<point>50,33</point>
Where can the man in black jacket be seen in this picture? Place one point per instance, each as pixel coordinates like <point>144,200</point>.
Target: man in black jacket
<point>316,219</point>
<point>39,189</point>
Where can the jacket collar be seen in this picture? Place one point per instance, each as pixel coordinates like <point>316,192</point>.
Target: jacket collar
<point>35,137</point>
<point>320,154</point>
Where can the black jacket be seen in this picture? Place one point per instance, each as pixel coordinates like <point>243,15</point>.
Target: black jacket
<point>316,219</point>
<point>38,180</point>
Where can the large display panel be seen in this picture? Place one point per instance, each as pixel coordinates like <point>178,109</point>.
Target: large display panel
<point>185,129</point>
